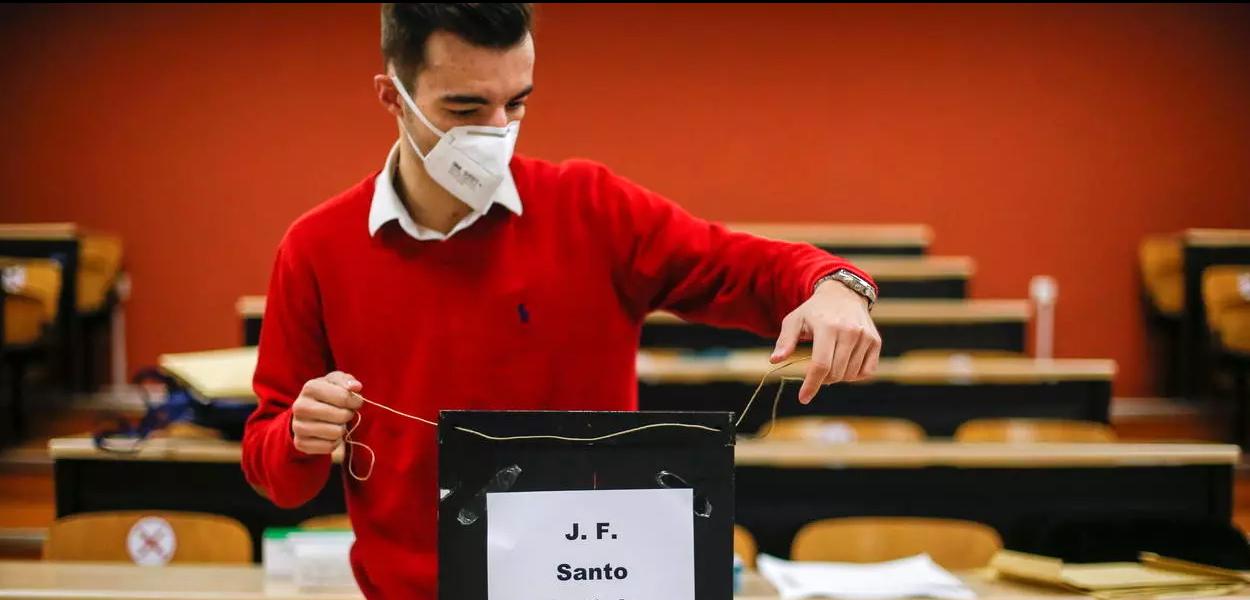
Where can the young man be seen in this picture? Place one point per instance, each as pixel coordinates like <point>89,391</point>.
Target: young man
<point>463,277</point>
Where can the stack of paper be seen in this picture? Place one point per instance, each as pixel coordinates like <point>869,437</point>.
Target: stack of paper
<point>1154,577</point>
<point>917,576</point>
<point>214,374</point>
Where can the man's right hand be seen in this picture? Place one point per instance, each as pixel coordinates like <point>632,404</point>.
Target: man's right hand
<point>323,408</point>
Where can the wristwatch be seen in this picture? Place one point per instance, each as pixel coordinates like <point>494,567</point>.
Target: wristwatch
<point>853,281</point>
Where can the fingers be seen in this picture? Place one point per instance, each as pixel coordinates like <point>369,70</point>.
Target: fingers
<point>338,394</point>
<point>345,381</point>
<point>871,342</point>
<point>870,363</point>
<point>847,338</point>
<point>349,383</point>
<point>320,411</point>
<point>791,327</point>
<point>823,348</point>
<point>315,446</point>
<point>872,354</point>
<point>855,366</point>
<point>846,345</point>
<point>840,352</point>
<point>317,430</point>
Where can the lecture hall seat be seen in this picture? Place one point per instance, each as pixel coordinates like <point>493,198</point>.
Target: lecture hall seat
<point>1226,294</point>
<point>952,543</point>
<point>87,295</point>
<point>745,546</point>
<point>32,287</point>
<point>835,429</point>
<point>1161,262</point>
<point>1162,273</point>
<point>101,536</point>
<point>954,353</point>
<point>99,265</point>
<point>30,306</point>
<point>1034,430</point>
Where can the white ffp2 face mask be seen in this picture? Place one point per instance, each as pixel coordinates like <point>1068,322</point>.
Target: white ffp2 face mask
<point>469,161</point>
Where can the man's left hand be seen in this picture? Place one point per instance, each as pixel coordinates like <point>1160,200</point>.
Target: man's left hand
<point>845,342</point>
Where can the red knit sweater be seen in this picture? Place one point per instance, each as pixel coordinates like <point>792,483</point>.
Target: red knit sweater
<point>540,311</point>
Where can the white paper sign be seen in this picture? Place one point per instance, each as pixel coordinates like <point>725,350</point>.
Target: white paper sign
<point>590,545</point>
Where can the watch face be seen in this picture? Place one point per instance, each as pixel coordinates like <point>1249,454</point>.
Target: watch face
<point>856,283</point>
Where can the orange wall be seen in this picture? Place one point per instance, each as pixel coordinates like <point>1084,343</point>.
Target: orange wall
<point>1038,139</point>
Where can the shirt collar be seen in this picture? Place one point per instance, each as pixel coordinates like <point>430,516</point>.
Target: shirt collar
<point>387,206</point>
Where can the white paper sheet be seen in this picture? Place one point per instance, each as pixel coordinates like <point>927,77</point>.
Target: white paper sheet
<point>580,545</point>
<point>917,576</point>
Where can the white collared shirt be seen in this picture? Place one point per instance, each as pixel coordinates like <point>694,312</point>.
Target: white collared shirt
<point>387,206</point>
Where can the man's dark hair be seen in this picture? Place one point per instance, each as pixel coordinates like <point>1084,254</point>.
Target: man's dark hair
<point>406,27</point>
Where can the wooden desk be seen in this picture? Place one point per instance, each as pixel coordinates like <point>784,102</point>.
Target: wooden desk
<point>29,580</point>
<point>848,239</point>
<point>904,325</point>
<point>1203,248</point>
<point>779,486</point>
<point>175,474</point>
<point>919,276</point>
<point>982,455</point>
<point>26,580</point>
<point>982,581</point>
<point>1015,488</point>
<point>1217,238</point>
<point>38,231</point>
<point>939,394</point>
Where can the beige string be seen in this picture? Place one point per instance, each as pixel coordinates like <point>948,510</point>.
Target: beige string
<point>351,455</point>
<point>347,436</point>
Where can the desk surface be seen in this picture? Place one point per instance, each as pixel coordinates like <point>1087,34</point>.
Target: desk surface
<point>921,312</point>
<point>38,231</point>
<point>119,581</point>
<point>228,373</point>
<point>901,268</point>
<point>99,581</point>
<point>748,366</point>
<point>982,581</point>
<point>827,234</point>
<point>788,454</point>
<point>750,453</point>
<point>1217,237</point>
<point>250,307</point>
<point>170,449</point>
<point>152,449</point>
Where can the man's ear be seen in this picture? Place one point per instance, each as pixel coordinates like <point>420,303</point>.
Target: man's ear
<point>388,96</point>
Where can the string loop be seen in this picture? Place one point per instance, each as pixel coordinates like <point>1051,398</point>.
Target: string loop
<point>352,444</point>
<point>351,455</point>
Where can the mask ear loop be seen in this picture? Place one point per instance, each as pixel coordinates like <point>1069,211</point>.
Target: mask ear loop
<point>412,106</point>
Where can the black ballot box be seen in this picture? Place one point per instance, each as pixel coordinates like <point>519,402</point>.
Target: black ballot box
<point>506,453</point>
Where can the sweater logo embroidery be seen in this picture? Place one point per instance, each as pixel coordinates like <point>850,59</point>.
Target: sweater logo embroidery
<point>523,313</point>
